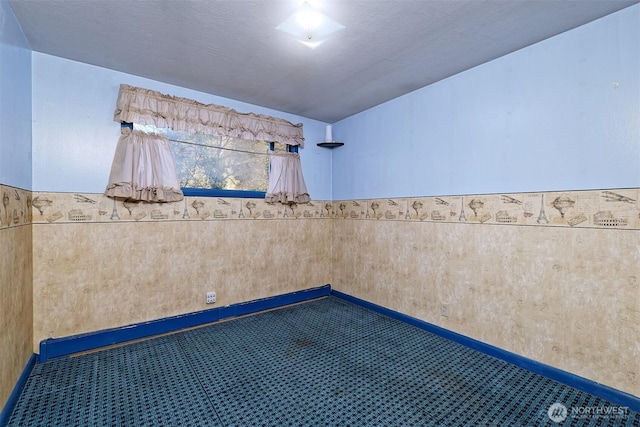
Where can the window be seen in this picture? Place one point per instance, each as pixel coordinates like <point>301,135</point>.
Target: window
<point>209,165</point>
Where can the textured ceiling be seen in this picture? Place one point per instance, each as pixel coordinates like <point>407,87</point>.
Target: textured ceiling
<point>230,48</point>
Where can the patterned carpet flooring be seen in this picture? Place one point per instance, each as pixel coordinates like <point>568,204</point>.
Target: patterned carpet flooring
<point>326,362</point>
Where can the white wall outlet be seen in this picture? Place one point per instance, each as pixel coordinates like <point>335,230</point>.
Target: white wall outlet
<point>444,309</point>
<point>211,297</point>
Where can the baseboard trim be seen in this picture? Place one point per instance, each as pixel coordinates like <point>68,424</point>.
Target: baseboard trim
<point>10,405</point>
<point>54,348</point>
<point>600,390</point>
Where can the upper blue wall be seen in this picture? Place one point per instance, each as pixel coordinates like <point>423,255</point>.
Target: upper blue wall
<point>74,135</point>
<point>561,114</point>
<point>15,102</point>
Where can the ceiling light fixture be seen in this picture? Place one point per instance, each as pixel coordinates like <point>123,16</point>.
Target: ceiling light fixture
<point>309,26</point>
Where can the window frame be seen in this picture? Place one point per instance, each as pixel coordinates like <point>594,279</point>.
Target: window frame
<point>219,192</point>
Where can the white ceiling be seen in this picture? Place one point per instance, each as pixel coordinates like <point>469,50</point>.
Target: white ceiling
<point>230,48</point>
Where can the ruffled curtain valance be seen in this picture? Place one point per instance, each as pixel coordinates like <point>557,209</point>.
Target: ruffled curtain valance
<point>286,183</point>
<point>148,107</point>
<point>143,169</point>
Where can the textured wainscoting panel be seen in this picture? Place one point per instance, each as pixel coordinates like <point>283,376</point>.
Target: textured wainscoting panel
<point>16,289</point>
<point>94,276</point>
<point>563,296</point>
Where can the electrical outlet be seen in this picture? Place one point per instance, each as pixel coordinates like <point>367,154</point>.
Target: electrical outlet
<point>444,310</point>
<point>211,297</point>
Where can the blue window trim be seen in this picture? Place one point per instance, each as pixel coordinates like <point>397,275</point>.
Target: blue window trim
<point>290,148</point>
<point>217,192</point>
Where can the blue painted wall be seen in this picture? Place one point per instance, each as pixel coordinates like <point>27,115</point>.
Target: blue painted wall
<point>15,102</point>
<point>563,114</point>
<point>74,135</point>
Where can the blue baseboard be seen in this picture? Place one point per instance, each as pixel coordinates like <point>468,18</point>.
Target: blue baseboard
<point>600,390</point>
<point>17,390</point>
<point>53,348</point>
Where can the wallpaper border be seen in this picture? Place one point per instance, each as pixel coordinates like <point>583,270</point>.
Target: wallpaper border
<point>608,209</point>
<point>603,209</point>
<point>15,209</point>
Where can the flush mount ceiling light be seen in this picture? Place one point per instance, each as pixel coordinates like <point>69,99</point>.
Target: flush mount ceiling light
<point>309,26</point>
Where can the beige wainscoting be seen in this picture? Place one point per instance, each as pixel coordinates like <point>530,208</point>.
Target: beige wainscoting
<point>92,272</point>
<point>16,287</point>
<point>567,297</point>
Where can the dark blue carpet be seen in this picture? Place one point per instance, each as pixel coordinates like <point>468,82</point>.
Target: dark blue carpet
<point>322,363</point>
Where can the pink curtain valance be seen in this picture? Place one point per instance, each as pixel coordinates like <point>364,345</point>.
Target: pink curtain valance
<point>148,107</point>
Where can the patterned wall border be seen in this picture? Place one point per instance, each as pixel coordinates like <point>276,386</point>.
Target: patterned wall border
<point>84,207</point>
<point>15,209</point>
<point>618,209</point>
